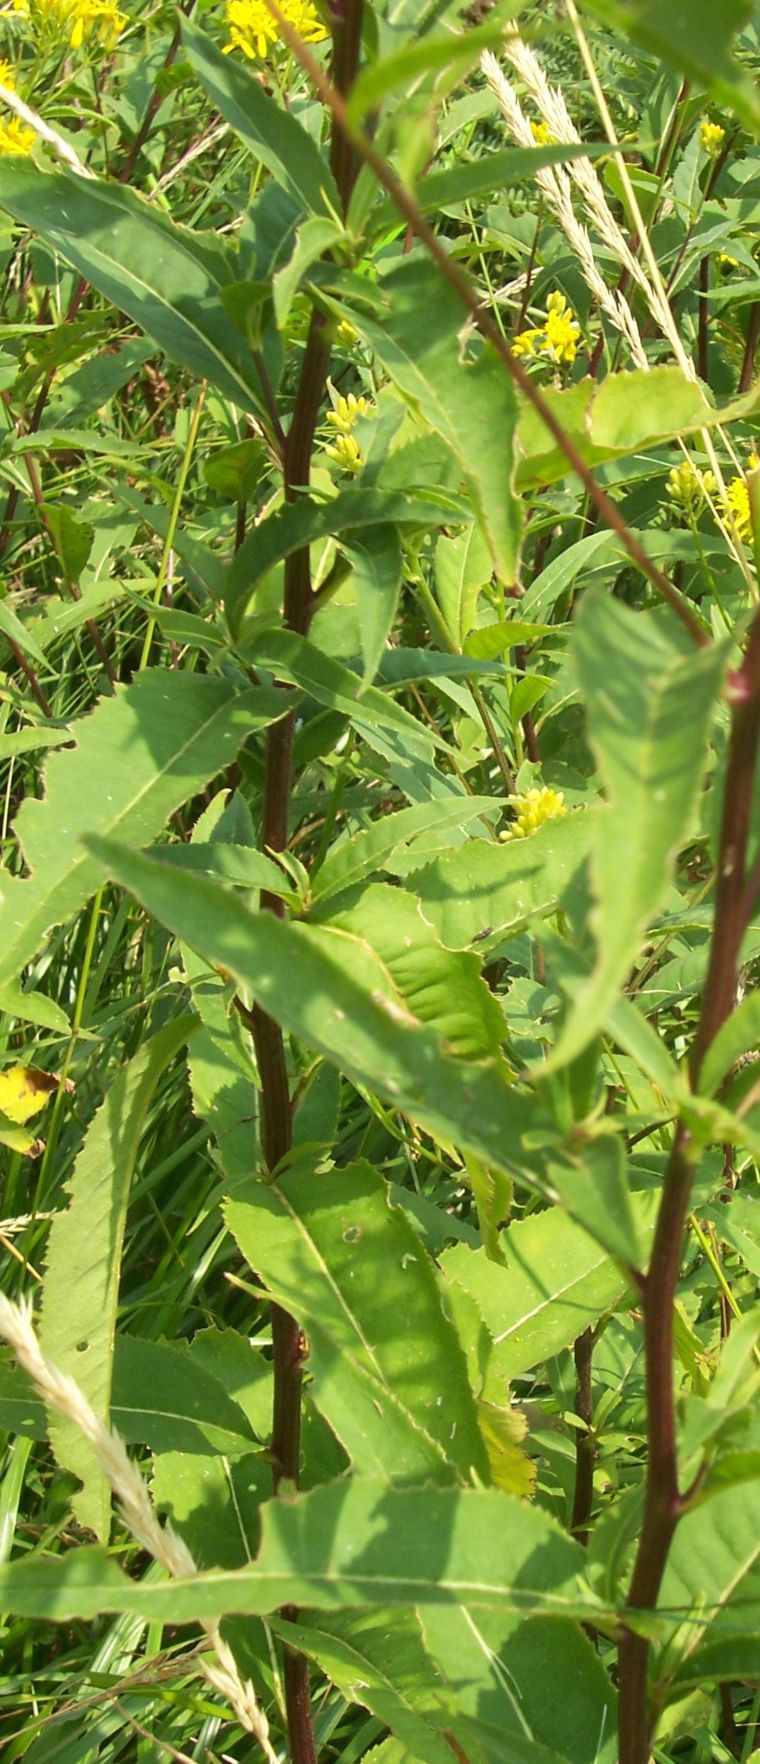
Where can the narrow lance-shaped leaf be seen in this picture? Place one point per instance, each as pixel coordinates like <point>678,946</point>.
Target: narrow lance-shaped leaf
<point>648,711</point>
<point>139,756</point>
<point>389,1373</point>
<point>165,277</point>
<point>300,523</point>
<point>555,1283</point>
<point>347,1006</point>
<point>466,398</point>
<point>695,39</point>
<point>364,853</point>
<point>83,1261</point>
<point>442,987</point>
<point>378,1658</point>
<point>274,136</point>
<point>349,1543</point>
<point>377,562</point>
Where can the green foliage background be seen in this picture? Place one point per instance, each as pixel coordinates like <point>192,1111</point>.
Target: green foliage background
<point>488,1038</point>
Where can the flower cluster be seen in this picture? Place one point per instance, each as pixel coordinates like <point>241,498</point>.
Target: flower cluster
<point>556,339</point>
<point>532,809</point>
<point>345,449</point>
<point>542,134</point>
<point>255,31</point>
<point>75,22</point>
<point>688,487</point>
<point>15,136</point>
<point>711,137</point>
<point>737,503</point>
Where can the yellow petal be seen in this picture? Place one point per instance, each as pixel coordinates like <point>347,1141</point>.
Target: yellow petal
<point>24,1090</point>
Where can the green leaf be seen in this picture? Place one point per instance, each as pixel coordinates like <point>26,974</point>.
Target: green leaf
<point>73,540</point>
<point>466,397</point>
<point>166,278</point>
<point>740,1034</point>
<point>33,1007</point>
<point>345,1545</point>
<point>300,523</point>
<point>738,1225</point>
<point>648,709</point>
<point>379,1660</point>
<point>377,562</point>
<point>462,568</point>
<point>389,1374</point>
<point>347,1007</point>
<point>165,1398</point>
<point>139,756</point>
<point>627,412</point>
<point>493,640</point>
<point>298,661</point>
<point>312,240</point>
<point>17,633</point>
<point>482,892</point>
<point>442,987</point>
<point>213,1503</point>
<point>235,470</point>
<point>478,177</point>
<point>499,1669</point>
<point>365,853</point>
<point>220,1064</point>
<point>555,1283</point>
<point>623,1020</point>
<point>591,1182</point>
<point>30,739</point>
<point>433,54</point>
<point>694,37</point>
<point>83,1262</point>
<point>239,864</point>
<point>273,135</point>
<point>713,1573</point>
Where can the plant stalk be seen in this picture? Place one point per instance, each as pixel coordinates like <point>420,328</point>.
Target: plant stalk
<point>288,1343</point>
<point>585,1451</point>
<point>663,1503</point>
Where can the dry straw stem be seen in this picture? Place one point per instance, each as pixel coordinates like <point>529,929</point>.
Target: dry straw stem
<point>59,1391</point>
<point>659,303</point>
<point>556,187</point>
<point>468,295</point>
<point>556,184</point>
<point>46,134</point>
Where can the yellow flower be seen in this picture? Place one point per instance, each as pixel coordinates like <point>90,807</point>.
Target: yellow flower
<point>557,338</point>
<point>562,329</point>
<point>347,453</point>
<point>712,137</point>
<point>542,134</point>
<point>342,418</point>
<point>532,809</point>
<point>7,76</point>
<point>15,136</point>
<point>73,21</point>
<point>253,29</point>
<point>737,506</point>
<point>345,412</point>
<point>528,343</point>
<point>347,334</point>
<point>688,487</point>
